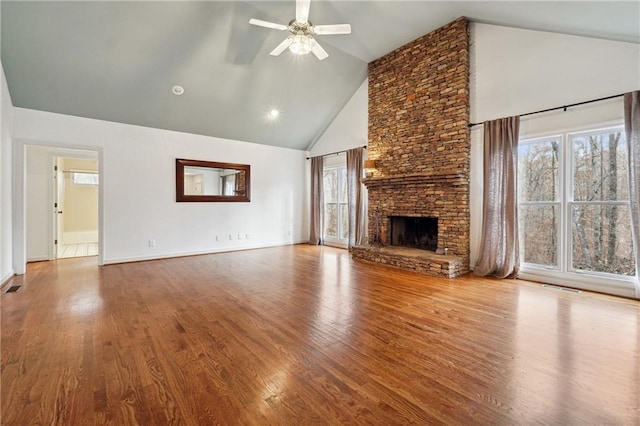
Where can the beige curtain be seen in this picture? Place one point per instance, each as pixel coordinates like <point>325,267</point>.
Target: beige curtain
<point>632,130</point>
<point>317,201</point>
<point>355,197</point>
<point>237,188</point>
<point>499,253</point>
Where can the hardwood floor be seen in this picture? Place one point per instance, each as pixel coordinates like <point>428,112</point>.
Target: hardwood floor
<point>302,334</point>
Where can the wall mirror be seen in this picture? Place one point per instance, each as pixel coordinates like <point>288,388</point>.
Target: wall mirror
<point>209,181</point>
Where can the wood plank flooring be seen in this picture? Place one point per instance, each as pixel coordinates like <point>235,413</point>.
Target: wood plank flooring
<point>303,334</point>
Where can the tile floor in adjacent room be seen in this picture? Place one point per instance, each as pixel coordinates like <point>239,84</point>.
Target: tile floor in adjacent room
<point>77,250</point>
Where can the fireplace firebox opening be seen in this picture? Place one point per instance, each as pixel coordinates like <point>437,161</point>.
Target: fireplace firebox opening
<point>417,232</point>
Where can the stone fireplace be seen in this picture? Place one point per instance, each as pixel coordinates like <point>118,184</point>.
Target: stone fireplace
<point>419,136</point>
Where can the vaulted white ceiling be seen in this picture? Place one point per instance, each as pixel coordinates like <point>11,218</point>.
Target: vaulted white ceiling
<point>118,60</point>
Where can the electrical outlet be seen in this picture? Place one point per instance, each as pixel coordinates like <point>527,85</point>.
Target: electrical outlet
<point>246,236</point>
<point>152,243</point>
<point>239,236</point>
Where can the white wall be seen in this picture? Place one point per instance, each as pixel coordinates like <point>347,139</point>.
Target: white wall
<point>6,181</point>
<point>516,71</point>
<point>349,129</point>
<point>137,167</point>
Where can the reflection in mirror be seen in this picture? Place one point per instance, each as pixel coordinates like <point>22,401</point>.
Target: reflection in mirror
<point>211,181</point>
<point>205,181</point>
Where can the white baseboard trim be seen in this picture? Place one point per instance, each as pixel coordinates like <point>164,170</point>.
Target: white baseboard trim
<point>5,279</point>
<point>585,282</point>
<point>80,237</point>
<point>37,259</point>
<point>199,252</point>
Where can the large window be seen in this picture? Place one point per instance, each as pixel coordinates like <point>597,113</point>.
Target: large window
<point>336,219</point>
<point>573,203</point>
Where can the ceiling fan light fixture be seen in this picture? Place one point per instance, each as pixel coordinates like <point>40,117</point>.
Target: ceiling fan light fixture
<point>301,41</point>
<point>300,45</point>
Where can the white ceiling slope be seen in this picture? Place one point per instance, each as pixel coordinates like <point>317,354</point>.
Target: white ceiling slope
<point>118,60</point>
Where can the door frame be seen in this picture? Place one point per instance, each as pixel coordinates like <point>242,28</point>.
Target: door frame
<point>20,188</point>
<point>58,189</point>
<point>338,243</point>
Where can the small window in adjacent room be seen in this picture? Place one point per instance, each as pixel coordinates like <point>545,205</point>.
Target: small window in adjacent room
<point>84,178</point>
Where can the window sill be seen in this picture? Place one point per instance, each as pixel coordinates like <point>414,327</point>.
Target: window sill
<point>623,286</point>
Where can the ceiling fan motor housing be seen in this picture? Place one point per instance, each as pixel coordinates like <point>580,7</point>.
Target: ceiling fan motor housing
<point>296,27</point>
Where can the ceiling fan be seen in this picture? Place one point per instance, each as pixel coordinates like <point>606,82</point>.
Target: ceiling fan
<point>301,40</point>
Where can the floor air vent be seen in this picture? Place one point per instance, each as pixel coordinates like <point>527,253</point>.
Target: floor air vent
<point>13,289</point>
<point>555,287</point>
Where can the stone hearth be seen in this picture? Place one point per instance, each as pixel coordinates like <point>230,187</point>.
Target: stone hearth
<point>419,260</point>
<point>420,139</point>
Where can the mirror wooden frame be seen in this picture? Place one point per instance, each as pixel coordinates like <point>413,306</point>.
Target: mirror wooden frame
<point>181,197</point>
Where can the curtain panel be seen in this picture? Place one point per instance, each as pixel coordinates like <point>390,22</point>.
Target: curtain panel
<point>499,248</point>
<point>632,130</point>
<point>317,201</point>
<point>236,184</point>
<point>355,197</point>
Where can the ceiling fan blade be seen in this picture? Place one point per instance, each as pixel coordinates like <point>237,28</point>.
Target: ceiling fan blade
<point>332,29</point>
<point>266,24</point>
<point>282,47</point>
<point>317,49</point>
<point>302,11</point>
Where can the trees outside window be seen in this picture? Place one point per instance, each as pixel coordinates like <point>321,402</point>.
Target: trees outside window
<point>539,206</point>
<point>573,203</point>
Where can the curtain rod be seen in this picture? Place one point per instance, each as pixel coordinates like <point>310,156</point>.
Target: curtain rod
<point>564,107</point>
<point>337,152</point>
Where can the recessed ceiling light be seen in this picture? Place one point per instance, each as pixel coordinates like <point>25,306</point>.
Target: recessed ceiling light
<point>274,113</point>
<point>177,90</point>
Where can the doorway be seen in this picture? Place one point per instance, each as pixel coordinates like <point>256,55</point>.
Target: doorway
<point>75,207</point>
<point>45,230</point>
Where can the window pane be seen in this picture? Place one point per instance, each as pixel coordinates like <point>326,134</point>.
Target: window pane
<point>599,166</point>
<point>330,185</point>
<point>344,219</point>
<point>330,221</point>
<point>85,178</point>
<point>538,171</point>
<point>229,185</point>
<point>343,185</point>
<point>602,239</point>
<point>539,234</point>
